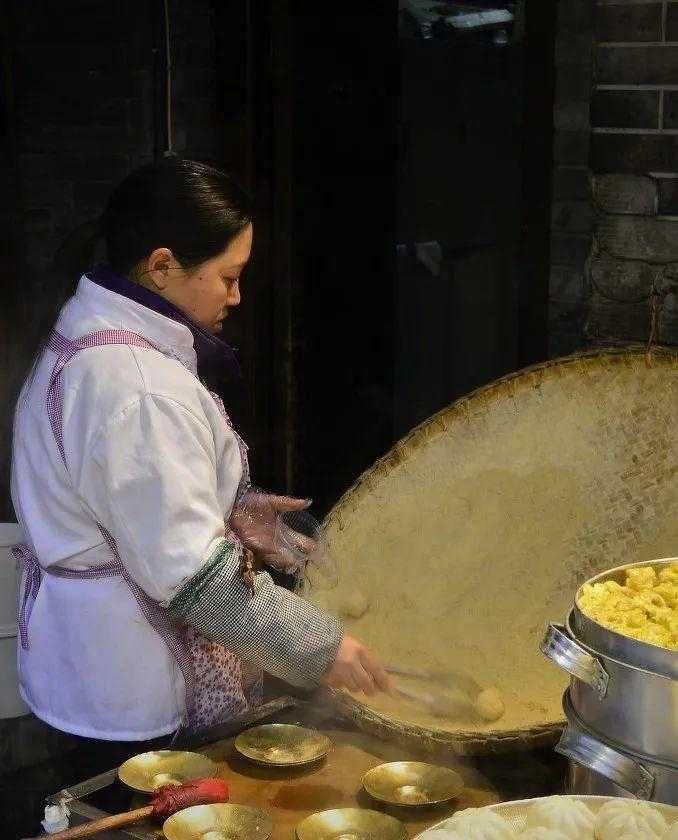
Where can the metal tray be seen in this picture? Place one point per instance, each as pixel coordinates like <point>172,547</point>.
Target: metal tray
<point>516,812</point>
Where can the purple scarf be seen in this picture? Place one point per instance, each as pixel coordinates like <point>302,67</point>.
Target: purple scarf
<point>215,357</point>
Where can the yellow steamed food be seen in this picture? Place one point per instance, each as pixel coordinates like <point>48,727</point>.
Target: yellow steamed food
<point>644,607</point>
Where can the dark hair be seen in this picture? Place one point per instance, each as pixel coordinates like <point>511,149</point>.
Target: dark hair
<point>191,208</point>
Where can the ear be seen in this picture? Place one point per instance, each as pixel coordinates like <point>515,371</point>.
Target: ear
<point>159,263</point>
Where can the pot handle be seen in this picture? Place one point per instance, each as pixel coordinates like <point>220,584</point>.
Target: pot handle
<point>560,648</point>
<point>620,769</point>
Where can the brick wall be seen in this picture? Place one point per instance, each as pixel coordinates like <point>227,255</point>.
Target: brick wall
<point>615,189</point>
<point>571,223</point>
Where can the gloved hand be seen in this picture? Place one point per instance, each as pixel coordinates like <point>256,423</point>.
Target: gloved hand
<point>254,519</point>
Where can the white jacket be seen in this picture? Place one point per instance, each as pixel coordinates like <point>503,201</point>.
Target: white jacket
<point>150,458</point>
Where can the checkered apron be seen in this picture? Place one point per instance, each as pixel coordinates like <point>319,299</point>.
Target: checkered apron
<point>219,685</point>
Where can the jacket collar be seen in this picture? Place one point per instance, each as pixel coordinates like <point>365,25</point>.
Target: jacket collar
<point>154,316</point>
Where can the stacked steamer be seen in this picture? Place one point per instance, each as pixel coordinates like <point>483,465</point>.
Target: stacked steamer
<point>620,646</point>
<point>456,549</point>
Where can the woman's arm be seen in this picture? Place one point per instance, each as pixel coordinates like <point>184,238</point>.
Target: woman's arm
<point>150,479</point>
<point>272,628</point>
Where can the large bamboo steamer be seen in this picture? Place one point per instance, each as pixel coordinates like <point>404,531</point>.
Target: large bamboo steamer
<point>476,529</point>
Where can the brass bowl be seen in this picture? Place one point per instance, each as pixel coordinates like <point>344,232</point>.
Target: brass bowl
<point>351,824</point>
<point>151,770</point>
<point>412,784</point>
<point>282,745</point>
<point>218,822</point>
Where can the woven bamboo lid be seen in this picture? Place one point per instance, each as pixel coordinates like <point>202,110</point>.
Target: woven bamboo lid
<point>475,530</point>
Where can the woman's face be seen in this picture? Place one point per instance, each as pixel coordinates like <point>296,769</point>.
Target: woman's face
<point>206,292</point>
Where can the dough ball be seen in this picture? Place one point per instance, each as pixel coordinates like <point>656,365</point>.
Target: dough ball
<point>543,834</point>
<point>489,704</point>
<point>354,604</point>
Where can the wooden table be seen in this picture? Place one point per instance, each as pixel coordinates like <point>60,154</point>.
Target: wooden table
<point>289,796</point>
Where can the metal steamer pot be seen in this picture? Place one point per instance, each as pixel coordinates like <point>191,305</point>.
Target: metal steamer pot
<point>618,702</point>
<point>622,701</point>
<point>601,768</point>
<point>615,645</point>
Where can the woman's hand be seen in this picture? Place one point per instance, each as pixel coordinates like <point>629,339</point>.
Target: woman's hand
<point>357,669</point>
<point>254,521</point>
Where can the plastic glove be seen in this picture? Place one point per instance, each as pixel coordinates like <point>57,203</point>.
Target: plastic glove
<point>254,521</point>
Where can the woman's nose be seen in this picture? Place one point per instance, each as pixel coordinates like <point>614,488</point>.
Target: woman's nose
<point>233,298</point>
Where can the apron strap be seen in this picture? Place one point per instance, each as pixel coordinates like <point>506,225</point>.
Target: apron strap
<point>34,572</point>
<point>172,635</point>
<point>66,348</point>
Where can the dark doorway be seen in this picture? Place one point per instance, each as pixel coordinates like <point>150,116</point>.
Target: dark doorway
<point>413,172</point>
<point>473,222</point>
<point>372,148</point>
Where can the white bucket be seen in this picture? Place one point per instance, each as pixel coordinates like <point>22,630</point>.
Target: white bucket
<point>10,534</point>
<point>11,704</point>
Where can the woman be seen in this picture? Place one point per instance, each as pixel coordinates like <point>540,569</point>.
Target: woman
<point>132,489</point>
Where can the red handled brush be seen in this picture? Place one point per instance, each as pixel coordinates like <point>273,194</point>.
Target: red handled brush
<point>166,801</point>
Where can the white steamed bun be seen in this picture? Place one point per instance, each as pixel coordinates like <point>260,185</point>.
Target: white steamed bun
<point>481,824</point>
<point>627,819</point>
<point>568,816</point>
<point>542,834</point>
